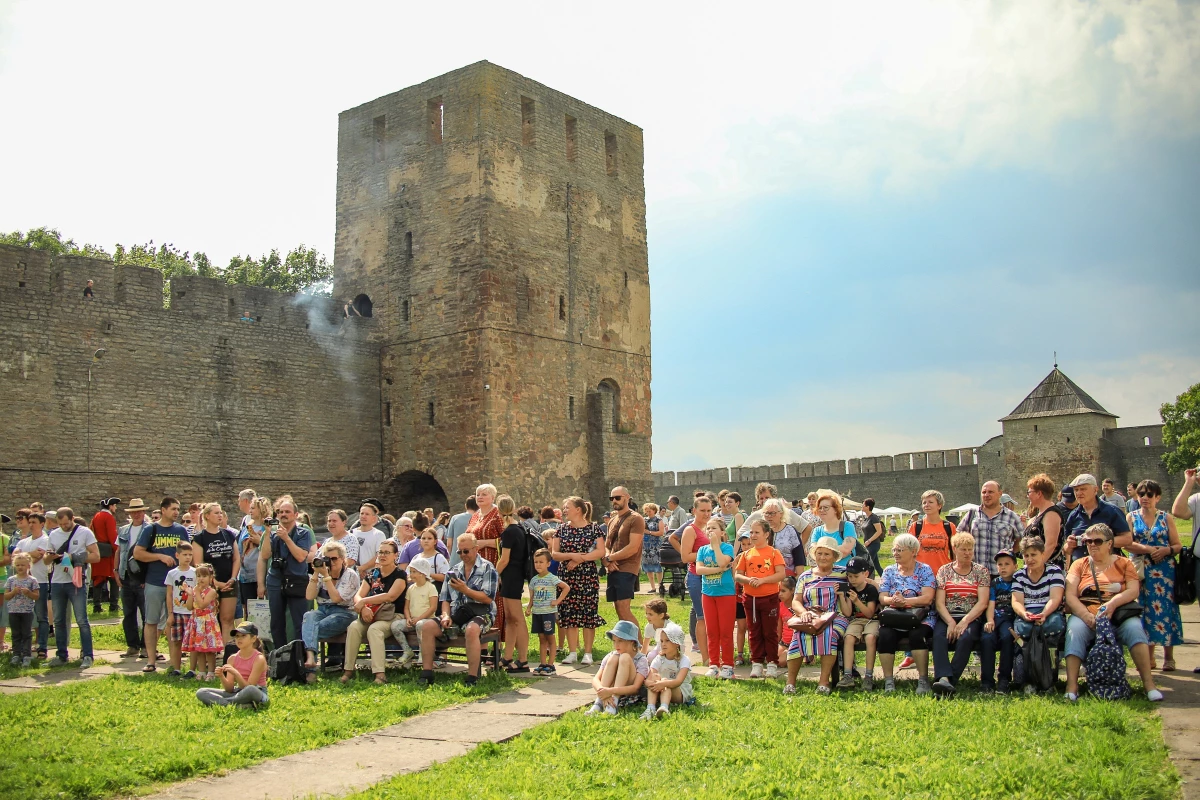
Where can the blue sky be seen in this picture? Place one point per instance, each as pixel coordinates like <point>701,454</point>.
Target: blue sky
<point>879,219</point>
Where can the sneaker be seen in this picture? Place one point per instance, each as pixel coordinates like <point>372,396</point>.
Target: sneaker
<point>824,690</point>
<point>713,672</point>
<point>85,663</point>
<point>923,686</point>
<point>1154,696</point>
<point>648,714</point>
<point>141,653</point>
<point>662,712</point>
<point>1070,697</point>
<point>772,671</point>
<point>594,710</point>
<point>847,681</point>
<point>889,685</point>
<point>172,673</point>
<point>15,660</point>
<point>727,673</point>
<point>471,680</point>
<point>26,661</point>
<point>868,684</point>
<point>1030,690</point>
<point>191,673</point>
<point>129,652</point>
<point>586,661</point>
<point>610,710</point>
<point>55,662</point>
<point>942,687</point>
<point>569,659</point>
<point>405,661</point>
<point>425,679</point>
<point>789,688</point>
<point>756,670</point>
<point>1002,688</point>
<point>987,688</point>
<point>906,663</point>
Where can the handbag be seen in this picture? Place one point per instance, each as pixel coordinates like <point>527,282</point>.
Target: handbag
<point>106,549</point>
<point>1123,613</point>
<point>901,619</point>
<point>1185,577</point>
<point>295,586</point>
<point>384,612</point>
<point>813,626</point>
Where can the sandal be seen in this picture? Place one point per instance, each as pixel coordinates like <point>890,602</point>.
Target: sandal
<point>517,666</point>
<point>381,679</point>
<point>505,664</point>
<point>345,678</point>
<point>1169,665</point>
<point>149,668</point>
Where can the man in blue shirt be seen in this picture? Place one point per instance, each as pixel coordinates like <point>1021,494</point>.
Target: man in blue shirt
<point>1090,511</point>
<point>155,549</point>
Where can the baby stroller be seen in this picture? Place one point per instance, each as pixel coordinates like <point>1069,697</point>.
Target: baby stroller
<point>671,562</point>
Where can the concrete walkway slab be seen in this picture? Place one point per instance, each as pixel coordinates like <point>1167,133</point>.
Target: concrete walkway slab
<point>1178,712</point>
<point>408,746</point>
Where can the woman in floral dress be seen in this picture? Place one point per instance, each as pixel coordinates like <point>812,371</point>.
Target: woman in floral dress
<point>577,545</point>
<point>486,526</point>
<point>1155,542</point>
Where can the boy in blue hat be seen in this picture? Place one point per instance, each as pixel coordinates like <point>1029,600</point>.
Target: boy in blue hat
<point>622,674</point>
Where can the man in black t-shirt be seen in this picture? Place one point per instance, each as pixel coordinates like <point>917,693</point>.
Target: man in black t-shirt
<point>871,532</point>
<point>511,566</point>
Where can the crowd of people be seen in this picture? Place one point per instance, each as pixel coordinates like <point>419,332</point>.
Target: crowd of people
<point>1080,569</point>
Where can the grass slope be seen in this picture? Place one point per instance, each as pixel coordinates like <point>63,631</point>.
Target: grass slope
<point>746,740</point>
<point>122,734</point>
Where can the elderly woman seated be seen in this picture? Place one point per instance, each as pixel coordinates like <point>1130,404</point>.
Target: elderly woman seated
<point>961,602</point>
<point>822,613</point>
<point>1100,584</point>
<point>906,594</point>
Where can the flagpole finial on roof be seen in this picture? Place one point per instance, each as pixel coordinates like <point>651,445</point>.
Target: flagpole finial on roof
<point>1056,359</point>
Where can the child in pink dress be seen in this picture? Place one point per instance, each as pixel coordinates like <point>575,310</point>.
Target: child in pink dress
<point>203,634</point>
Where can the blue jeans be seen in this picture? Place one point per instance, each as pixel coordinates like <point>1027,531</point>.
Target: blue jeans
<point>64,595</point>
<point>40,609</point>
<point>694,584</point>
<point>325,621</point>
<point>1000,639</point>
<point>967,639</point>
<point>280,605</point>
<point>1080,637</point>
<point>1053,625</point>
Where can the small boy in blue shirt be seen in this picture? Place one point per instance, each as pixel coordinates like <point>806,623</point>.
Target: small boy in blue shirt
<point>998,632</point>
<point>546,591</point>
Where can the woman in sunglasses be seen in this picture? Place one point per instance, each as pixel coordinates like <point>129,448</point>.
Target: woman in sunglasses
<point>1155,542</point>
<point>1100,583</point>
<point>333,585</point>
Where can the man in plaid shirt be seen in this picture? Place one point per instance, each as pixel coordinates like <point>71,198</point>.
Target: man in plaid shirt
<point>994,527</point>
<point>468,609</point>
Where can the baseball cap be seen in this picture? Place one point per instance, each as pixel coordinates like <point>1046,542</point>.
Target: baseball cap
<point>1003,553</point>
<point>674,633</point>
<point>1068,492</point>
<point>858,564</point>
<point>1083,479</point>
<point>1005,498</point>
<point>247,627</point>
<point>624,630</point>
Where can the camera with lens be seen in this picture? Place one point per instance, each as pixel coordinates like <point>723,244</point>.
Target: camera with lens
<point>319,562</point>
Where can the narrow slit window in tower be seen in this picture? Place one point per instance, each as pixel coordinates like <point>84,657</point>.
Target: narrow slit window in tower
<point>408,248</point>
<point>571,407</point>
<point>610,153</point>
<point>405,310</point>
<point>527,122</point>
<point>437,120</point>
<point>380,135</point>
<point>562,307</point>
<point>387,414</point>
<point>431,411</point>
<point>570,129</point>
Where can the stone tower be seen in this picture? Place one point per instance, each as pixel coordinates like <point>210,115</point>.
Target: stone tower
<point>1056,429</point>
<point>495,231</point>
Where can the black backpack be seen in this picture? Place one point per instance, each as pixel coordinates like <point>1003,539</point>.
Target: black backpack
<point>533,543</point>
<point>286,664</point>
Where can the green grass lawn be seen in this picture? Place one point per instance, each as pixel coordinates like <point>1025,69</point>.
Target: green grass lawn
<point>119,735</point>
<point>745,739</point>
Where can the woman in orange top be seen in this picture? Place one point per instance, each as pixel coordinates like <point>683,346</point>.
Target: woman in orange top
<point>759,571</point>
<point>486,526</point>
<point>933,532</point>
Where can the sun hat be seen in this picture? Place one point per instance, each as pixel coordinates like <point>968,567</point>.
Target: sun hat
<point>137,504</point>
<point>673,632</point>
<point>828,543</point>
<point>624,630</point>
<point>421,565</point>
<point>1084,479</point>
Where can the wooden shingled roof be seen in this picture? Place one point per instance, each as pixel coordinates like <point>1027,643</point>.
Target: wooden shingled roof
<point>1055,396</point>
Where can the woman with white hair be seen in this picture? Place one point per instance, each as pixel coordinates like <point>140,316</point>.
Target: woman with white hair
<point>906,592</point>
<point>486,526</point>
<point>784,536</point>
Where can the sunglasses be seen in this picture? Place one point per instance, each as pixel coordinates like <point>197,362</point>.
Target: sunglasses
<point>1145,494</point>
<point>464,552</point>
<point>1097,542</point>
<point>615,498</point>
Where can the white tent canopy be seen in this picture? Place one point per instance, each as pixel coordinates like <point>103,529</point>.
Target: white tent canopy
<point>893,511</point>
<point>963,509</point>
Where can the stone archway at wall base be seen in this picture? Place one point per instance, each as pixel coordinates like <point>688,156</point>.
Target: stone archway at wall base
<point>414,490</point>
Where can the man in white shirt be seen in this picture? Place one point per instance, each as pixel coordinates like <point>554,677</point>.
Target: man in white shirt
<point>37,544</point>
<point>78,549</point>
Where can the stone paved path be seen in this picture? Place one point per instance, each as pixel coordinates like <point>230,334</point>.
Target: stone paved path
<point>1180,712</point>
<point>116,664</point>
<point>410,746</point>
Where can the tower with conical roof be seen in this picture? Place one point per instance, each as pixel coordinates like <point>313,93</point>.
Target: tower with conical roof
<point>1057,429</point>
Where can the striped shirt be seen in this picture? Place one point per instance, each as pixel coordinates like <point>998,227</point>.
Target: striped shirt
<point>1036,594</point>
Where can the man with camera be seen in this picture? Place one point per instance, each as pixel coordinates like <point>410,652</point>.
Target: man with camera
<point>284,582</point>
<point>468,607</point>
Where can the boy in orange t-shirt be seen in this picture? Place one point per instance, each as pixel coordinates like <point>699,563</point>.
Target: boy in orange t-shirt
<point>759,571</point>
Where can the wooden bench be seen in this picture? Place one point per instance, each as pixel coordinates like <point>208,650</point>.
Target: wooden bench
<point>489,644</point>
<point>1057,646</point>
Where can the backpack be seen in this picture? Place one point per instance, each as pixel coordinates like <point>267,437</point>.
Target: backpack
<point>533,543</point>
<point>919,526</point>
<point>286,664</point>
<point>1185,577</point>
<point>1105,664</point>
<point>1039,667</point>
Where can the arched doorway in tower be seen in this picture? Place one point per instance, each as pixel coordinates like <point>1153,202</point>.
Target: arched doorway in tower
<point>414,490</point>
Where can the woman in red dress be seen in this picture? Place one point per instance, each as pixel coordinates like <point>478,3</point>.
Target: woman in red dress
<point>486,525</point>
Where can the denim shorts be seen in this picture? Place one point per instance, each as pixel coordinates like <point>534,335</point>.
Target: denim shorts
<point>1080,637</point>
<point>694,584</point>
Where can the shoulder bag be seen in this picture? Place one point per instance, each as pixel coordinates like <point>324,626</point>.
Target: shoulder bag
<point>902,619</point>
<point>814,626</point>
<point>1122,613</point>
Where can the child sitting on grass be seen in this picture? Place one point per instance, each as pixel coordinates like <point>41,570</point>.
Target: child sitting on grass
<point>20,596</point>
<point>864,604</point>
<point>420,602</point>
<point>998,631</point>
<point>181,582</point>
<point>546,592</point>
<point>670,678</point>
<point>202,638</point>
<point>657,618</point>
<point>244,675</point>
<point>622,674</point>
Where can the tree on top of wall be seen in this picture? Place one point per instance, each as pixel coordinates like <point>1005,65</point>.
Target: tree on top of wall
<point>302,270</point>
<point>1181,431</point>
